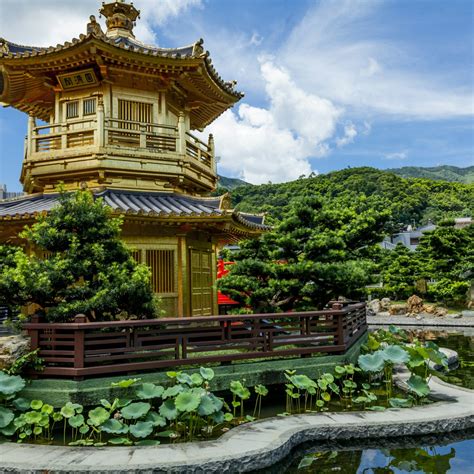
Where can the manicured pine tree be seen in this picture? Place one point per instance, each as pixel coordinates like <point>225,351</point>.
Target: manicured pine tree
<point>82,267</point>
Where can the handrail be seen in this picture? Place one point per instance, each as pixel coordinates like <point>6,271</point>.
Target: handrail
<point>82,349</point>
<point>198,141</point>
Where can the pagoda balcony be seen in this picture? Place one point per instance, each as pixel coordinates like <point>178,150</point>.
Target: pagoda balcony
<point>115,136</point>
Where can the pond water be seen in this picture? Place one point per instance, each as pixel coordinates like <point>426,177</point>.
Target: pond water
<point>451,453</point>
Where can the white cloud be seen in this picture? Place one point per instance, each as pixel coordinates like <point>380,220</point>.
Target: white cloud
<point>350,132</point>
<point>57,21</point>
<point>338,52</point>
<point>275,144</point>
<point>399,155</point>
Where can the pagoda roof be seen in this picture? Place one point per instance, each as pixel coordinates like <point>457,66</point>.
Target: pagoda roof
<point>162,206</point>
<point>191,67</point>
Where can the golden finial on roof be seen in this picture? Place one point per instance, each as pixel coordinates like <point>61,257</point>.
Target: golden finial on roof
<point>120,18</point>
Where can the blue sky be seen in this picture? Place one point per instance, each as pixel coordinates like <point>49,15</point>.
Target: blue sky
<point>328,84</point>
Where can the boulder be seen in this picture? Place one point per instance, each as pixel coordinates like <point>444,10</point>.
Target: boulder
<point>385,304</point>
<point>373,307</point>
<point>397,309</point>
<point>415,304</point>
<point>12,347</point>
<point>467,313</point>
<point>440,312</point>
<point>429,308</point>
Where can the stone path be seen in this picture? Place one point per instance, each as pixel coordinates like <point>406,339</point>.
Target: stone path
<point>251,446</point>
<point>445,321</point>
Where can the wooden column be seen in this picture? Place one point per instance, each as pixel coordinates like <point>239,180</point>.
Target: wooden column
<point>181,148</point>
<point>31,146</point>
<point>100,122</point>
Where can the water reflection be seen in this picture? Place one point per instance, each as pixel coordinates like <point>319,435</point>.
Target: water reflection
<point>452,453</point>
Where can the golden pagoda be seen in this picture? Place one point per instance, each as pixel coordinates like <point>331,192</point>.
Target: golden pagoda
<point>119,117</point>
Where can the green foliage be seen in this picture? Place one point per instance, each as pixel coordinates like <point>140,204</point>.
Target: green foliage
<point>28,360</point>
<point>322,249</point>
<point>89,270</point>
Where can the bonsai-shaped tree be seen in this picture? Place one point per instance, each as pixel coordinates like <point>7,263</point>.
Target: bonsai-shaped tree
<point>78,265</point>
<point>321,250</point>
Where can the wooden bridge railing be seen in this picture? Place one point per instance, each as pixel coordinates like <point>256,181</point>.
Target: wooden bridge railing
<point>82,349</point>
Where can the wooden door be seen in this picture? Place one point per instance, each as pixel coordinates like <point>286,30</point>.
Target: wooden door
<point>201,282</point>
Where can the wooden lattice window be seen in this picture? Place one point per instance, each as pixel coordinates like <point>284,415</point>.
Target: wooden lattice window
<point>88,106</point>
<point>132,111</point>
<point>162,266</point>
<point>72,109</point>
<point>137,255</point>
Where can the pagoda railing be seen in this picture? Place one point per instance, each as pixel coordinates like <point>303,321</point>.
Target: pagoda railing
<point>143,136</point>
<point>82,349</point>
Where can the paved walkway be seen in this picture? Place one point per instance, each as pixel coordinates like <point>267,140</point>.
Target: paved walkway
<point>444,321</point>
<point>251,446</point>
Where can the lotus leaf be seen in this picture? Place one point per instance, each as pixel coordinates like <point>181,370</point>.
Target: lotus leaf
<point>197,379</point>
<point>360,400</point>
<point>349,368</point>
<point>261,390</point>
<point>168,410</point>
<point>184,378</point>
<point>114,426</point>
<point>123,402</point>
<point>218,417</point>
<point>105,403</point>
<point>57,416</point>
<point>141,429</point>
<point>322,384</point>
<point>76,421</point>
<point>48,409</point>
<point>207,406</point>
<point>187,401</point>
<point>372,343</point>
<point>172,391</point>
<point>10,384</point>
<point>326,396</point>
<point>44,420</point>
<point>21,404</point>
<point>156,419</point>
<point>36,404</point>
<point>418,386</point>
<point>166,434</point>
<point>37,430</point>
<point>20,421</point>
<point>395,355</point>
<point>228,417</point>
<point>329,378</point>
<point>239,390</point>
<point>339,370</point>
<point>125,441</point>
<point>32,417</point>
<point>148,442</point>
<point>375,408</point>
<point>6,417</point>
<point>206,373</point>
<point>77,407</point>
<point>400,403</point>
<point>84,429</point>
<point>319,403</point>
<point>135,410</point>
<point>97,416</point>
<point>172,374</point>
<point>125,383</point>
<point>149,390</point>
<point>8,430</point>
<point>334,388</point>
<point>302,382</point>
<point>372,362</point>
<point>67,411</point>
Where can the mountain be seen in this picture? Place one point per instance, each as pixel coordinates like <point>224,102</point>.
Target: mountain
<point>411,200</point>
<point>230,183</point>
<point>444,173</point>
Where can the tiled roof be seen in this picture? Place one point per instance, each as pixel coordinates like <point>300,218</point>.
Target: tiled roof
<point>134,203</point>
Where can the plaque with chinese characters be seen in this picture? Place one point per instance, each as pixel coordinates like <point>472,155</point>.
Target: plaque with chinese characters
<point>78,79</point>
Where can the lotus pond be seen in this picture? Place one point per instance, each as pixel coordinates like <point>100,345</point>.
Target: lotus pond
<point>187,410</point>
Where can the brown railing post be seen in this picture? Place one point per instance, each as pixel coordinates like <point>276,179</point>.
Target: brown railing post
<point>79,349</point>
<point>340,325</point>
<point>34,333</point>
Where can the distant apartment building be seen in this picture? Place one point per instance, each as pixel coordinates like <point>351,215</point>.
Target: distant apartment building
<point>4,194</point>
<point>410,237</point>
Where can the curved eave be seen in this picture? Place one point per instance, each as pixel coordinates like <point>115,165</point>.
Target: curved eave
<point>189,59</point>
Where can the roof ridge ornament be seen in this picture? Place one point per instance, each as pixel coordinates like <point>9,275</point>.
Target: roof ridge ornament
<point>93,27</point>
<point>120,18</point>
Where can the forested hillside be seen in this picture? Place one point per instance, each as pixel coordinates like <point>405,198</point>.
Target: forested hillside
<point>444,172</point>
<point>409,199</point>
